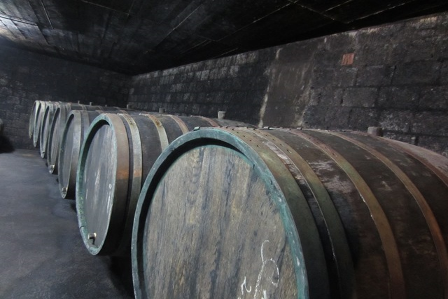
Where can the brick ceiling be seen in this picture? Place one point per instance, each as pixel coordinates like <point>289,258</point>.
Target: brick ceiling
<point>138,36</point>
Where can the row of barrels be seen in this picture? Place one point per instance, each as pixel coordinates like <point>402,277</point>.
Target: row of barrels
<point>239,212</point>
<point>59,127</point>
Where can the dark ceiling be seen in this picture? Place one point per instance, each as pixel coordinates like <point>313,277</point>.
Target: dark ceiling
<point>138,36</point>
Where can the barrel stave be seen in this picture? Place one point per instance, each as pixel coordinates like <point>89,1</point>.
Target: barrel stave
<point>46,127</point>
<point>32,121</point>
<point>75,129</point>
<point>404,216</point>
<point>38,123</point>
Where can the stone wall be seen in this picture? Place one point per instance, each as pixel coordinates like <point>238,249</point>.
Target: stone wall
<point>394,76</point>
<point>234,84</point>
<point>26,77</point>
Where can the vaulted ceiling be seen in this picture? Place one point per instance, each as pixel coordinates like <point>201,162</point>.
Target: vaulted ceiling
<point>138,36</point>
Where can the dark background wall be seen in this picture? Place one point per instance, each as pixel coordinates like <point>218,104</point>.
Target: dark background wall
<point>26,77</point>
<point>234,84</point>
<point>394,76</point>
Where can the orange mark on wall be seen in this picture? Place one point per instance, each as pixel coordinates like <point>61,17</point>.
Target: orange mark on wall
<point>347,59</point>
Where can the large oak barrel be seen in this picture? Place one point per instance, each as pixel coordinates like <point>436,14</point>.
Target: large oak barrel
<point>38,122</point>
<point>75,129</point>
<point>240,213</point>
<point>33,115</point>
<point>57,127</point>
<point>47,119</point>
<point>116,156</point>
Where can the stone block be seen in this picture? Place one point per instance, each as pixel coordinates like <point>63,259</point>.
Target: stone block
<point>204,75</point>
<point>419,72</point>
<point>248,57</point>
<point>360,97</point>
<point>423,23</point>
<point>335,118</point>
<point>431,123</point>
<point>314,117</point>
<point>395,120</point>
<point>222,72</point>
<point>5,91</point>
<point>422,48</point>
<point>444,73</point>
<point>4,80</point>
<point>434,98</point>
<point>323,77</point>
<point>326,96</point>
<point>12,100</point>
<point>233,71</point>
<point>362,118</point>
<point>378,75</point>
<point>403,97</point>
<point>344,76</point>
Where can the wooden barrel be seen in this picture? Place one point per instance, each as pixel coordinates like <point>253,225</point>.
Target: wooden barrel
<point>33,115</point>
<point>75,129</point>
<point>116,156</point>
<point>240,213</point>
<point>57,127</point>
<point>38,122</point>
<point>47,119</point>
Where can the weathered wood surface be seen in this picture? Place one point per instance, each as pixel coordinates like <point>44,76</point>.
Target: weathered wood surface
<point>38,122</point>
<point>75,129</point>
<point>241,213</point>
<point>108,231</point>
<point>33,115</point>
<point>46,127</point>
<point>57,127</point>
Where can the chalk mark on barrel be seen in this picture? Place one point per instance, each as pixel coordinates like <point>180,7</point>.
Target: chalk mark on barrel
<point>264,262</point>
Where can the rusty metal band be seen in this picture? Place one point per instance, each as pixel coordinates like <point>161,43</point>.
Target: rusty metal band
<point>316,270</point>
<point>183,127</point>
<point>137,173</point>
<point>397,285</point>
<point>431,220</point>
<point>137,163</point>
<point>210,121</point>
<point>338,239</point>
<point>161,130</point>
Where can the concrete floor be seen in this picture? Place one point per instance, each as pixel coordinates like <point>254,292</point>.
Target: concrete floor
<point>41,250</point>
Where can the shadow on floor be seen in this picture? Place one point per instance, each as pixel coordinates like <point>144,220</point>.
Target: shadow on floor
<point>5,145</point>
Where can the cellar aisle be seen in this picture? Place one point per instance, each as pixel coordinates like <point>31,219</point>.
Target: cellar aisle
<point>41,250</point>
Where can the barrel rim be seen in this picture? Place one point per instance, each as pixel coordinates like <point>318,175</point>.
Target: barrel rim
<point>32,120</point>
<point>120,186</point>
<point>209,136</point>
<point>53,156</point>
<point>38,123</point>
<point>70,185</point>
<point>45,128</point>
